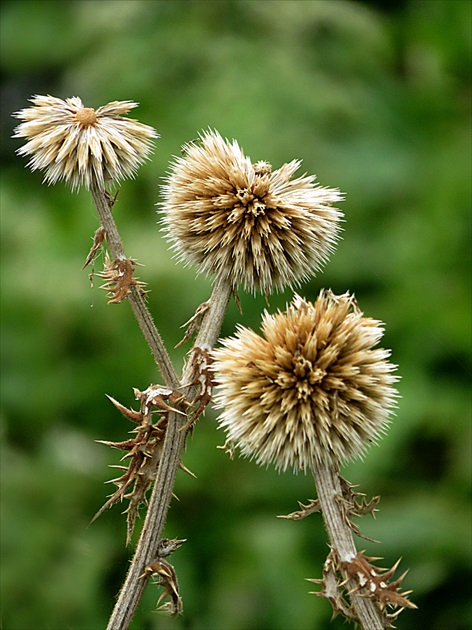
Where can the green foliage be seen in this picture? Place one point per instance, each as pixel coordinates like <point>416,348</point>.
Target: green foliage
<point>375,101</point>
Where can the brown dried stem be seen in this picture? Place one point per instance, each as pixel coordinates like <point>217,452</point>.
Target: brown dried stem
<point>133,587</point>
<point>104,204</point>
<point>328,487</point>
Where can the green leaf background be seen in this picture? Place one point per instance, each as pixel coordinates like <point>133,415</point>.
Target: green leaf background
<point>375,98</point>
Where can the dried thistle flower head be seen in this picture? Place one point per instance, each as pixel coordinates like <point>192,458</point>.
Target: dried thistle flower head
<point>245,222</point>
<point>312,386</point>
<point>78,144</point>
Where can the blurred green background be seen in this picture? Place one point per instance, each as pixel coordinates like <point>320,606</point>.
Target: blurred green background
<point>375,98</point>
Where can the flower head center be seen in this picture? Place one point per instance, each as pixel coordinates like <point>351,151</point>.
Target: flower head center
<point>307,377</point>
<point>253,205</point>
<point>303,377</point>
<point>302,366</point>
<point>86,116</point>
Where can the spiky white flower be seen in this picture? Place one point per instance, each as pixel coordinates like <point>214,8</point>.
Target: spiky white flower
<point>78,144</point>
<point>311,388</point>
<point>244,222</point>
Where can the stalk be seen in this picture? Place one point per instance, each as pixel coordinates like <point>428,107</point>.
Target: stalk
<point>328,487</point>
<point>135,298</point>
<point>151,534</point>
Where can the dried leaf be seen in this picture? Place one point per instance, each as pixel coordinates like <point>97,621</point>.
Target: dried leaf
<point>167,577</point>
<point>194,322</point>
<point>119,276</point>
<point>98,238</point>
<point>142,452</point>
<point>373,582</point>
<point>312,507</point>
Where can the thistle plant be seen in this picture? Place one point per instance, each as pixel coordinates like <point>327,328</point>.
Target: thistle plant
<point>311,389</point>
<point>81,145</point>
<point>311,393</point>
<point>244,222</point>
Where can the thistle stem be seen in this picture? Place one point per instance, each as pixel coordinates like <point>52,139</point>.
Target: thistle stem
<point>146,550</point>
<point>328,487</point>
<point>135,298</point>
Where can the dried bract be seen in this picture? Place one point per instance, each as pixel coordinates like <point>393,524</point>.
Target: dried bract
<point>143,451</point>
<point>331,589</point>
<point>167,579</point>
<point>244,222</point>
<point>119,276</point>
<point>304,511</point>
<point>71,142</point>
<point>375,583</point>
<point>360,576</point>
<point>311,388</point>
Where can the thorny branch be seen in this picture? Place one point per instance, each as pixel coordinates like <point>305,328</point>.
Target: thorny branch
<point>143,451</point>
<point>104,203</point>
<point>167,577</point>
<point>194,387</point>
<point>355,588</point>
<point>119,276</point>
<point>169,462</point>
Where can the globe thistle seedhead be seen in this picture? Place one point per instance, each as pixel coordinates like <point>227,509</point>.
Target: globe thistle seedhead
<point>245,222</point>
<point>71,142</point>
<point>311,387</point>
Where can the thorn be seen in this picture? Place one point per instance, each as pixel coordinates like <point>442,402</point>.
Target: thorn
<point>181,413</point>
<point>194,322</point>
<point>115,481</point>
<point>312,507</point>
<point>188,424</point>
<point>167,546</point>
<point>134,416</point>
<point>237,301</point>
<point>395,566</point>
<point>189,472</point>
<point>400,580</point>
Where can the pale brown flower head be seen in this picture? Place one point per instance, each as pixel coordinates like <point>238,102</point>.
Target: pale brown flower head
<point>244,222</point>
<point>77,144</point>
<point>311,387</point>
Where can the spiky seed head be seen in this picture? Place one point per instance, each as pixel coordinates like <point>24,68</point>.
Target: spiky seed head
<point>77,144</point>
<point>311,387</point>
<point>245,222</point>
